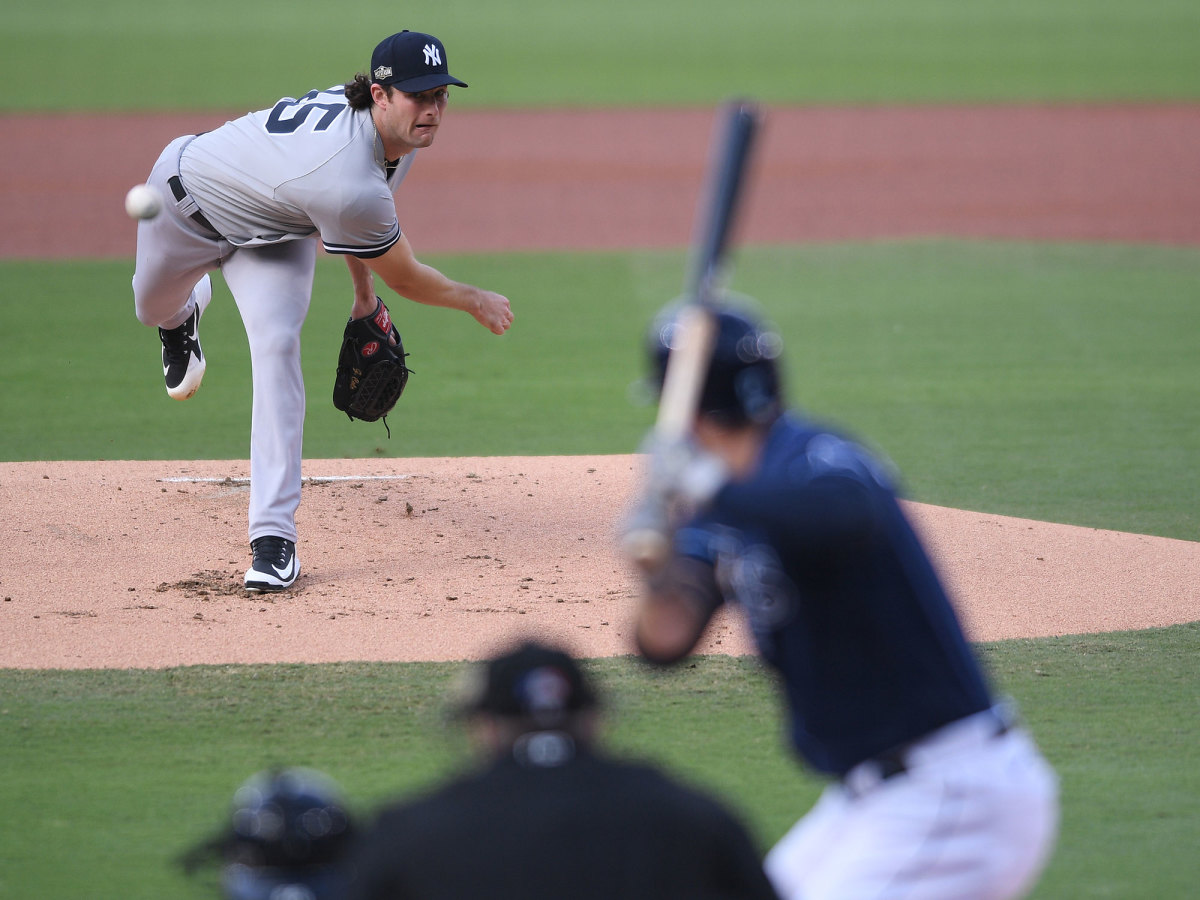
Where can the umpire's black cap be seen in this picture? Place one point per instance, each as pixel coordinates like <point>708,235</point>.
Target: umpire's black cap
<point>411,61</point>
<point>532,681</point>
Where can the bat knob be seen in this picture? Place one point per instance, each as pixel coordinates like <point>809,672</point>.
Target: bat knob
<point>646,547</point>
<point>646,536</point>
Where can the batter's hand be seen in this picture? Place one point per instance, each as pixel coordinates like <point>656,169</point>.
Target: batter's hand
<point>493,312</point>
<point>680,479</point>
<point>681,473</point>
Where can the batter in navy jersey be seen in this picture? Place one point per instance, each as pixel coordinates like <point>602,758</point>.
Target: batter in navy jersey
<point>254,198</point>
<point>937,792</point>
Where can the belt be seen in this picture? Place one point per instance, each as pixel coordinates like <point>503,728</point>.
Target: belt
<point>195,215</point>
<point>995,723</point>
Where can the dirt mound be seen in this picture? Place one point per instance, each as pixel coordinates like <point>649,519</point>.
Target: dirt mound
<point>139,564</point>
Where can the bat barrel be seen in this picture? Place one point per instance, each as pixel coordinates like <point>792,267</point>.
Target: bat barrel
<point>717,213</point>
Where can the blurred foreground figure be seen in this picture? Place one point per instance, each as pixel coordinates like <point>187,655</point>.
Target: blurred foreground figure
<point>937,792</point>
<point>548,816</point>
<point>287,838</point>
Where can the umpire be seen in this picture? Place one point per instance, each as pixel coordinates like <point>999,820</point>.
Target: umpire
<point>548,816</point>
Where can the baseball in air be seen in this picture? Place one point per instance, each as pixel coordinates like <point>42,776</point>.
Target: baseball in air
<point>143,202</point>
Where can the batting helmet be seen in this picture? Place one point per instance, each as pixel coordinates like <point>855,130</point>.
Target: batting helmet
<point>742,385</point>
<point>290,831</point>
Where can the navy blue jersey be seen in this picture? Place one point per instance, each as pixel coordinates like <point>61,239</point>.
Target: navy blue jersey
<point>842,598</point>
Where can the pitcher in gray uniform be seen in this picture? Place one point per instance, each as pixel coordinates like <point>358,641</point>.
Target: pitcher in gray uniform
<point>253,198</point>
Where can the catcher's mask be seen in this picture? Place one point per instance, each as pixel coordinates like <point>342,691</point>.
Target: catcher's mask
<point>290,832</point>
<point>742,385</point>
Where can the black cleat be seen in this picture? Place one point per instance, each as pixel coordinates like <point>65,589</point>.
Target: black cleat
<point>275,564</point>
<point>182,358</point>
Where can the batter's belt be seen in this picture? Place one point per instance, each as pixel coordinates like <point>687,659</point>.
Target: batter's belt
<point>955,737</point>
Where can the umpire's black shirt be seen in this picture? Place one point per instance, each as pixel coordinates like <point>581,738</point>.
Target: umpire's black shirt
<point>553,821</point>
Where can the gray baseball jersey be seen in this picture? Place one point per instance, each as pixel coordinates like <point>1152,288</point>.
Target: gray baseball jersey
<point>305,166</point>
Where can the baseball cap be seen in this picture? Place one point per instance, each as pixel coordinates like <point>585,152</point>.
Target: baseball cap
<point>412,62</point>
<point>531,681</point>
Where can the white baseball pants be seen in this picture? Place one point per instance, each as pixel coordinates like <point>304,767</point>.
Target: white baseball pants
<point>975,816</point>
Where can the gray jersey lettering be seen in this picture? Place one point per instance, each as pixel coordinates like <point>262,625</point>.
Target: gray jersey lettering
<point>306,166</point>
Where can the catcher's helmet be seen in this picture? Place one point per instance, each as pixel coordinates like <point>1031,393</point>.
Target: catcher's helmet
<point>742,385</point>
<point>290,831</point>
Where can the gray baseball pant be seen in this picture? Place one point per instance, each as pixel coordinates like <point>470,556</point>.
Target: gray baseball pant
<point>272,286</point>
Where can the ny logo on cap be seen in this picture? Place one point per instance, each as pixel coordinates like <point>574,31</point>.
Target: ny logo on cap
<point>382,72</point>
<point>433,56</point>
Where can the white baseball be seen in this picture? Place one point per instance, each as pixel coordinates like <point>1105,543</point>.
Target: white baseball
<point>143,202</point>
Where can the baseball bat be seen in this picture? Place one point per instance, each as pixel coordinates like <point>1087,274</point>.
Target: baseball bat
<point>716,215</point>
<point>695,328</point>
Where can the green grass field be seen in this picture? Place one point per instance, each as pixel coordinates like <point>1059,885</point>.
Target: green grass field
<point>120,771</point>
<point>134,54</point>
<point>1052,381</point>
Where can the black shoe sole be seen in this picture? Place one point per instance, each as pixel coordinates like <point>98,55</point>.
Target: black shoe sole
<point>260,587</point>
